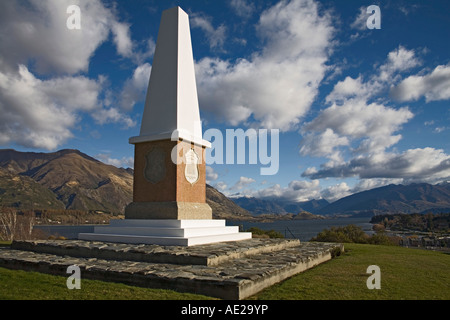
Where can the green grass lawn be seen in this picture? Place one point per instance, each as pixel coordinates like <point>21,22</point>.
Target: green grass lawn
<point>405,274</point>
<point>23,285</point>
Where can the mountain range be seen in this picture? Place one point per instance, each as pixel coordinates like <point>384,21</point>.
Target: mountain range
<point>70,179</point>
<point>412,198</point>
<point>77,181</point>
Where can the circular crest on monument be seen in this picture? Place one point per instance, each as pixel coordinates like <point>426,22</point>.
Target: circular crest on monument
<point>191,170</point>
<point>155,165</point>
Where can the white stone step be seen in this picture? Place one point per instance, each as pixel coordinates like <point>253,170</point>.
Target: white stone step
<point>165,241</point>
<point>166,232</point>
<point>167,223</point>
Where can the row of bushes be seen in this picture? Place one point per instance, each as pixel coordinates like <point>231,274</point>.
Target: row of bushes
<point>354,234</point>
<point>259,233</point>
<point>345,234</point>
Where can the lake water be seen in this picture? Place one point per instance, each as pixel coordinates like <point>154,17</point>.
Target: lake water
<point>300,229</point>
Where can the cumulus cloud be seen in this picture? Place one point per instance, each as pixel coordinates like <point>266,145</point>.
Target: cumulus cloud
<point>323,144</point>
<point>216,36</point>
<point>400,59</point>
<point>349,88</point>
<point>296,191</point>
<point>433,86</point>
<point>121,32</point>
<point>413,165</point>
<point>211,175</point>
<point>360,22</point>
<point>221,186</point>
<point>113,115</point>
<point>42,94</point>
<point>125,162</point>
<point>355,119</point>
<point>242,183</point>
<point>277,85</point>
<point>336,192</point>
<point>367,127</point>
<point>135,87</point>
<point>352,121</point>
<point>36,31</point>
<point>40,113</point>
<point>367,184</point>
<point>242,8</point>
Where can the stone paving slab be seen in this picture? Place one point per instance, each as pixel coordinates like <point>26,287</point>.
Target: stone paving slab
<point>208,254</point>
<point>233,279</point>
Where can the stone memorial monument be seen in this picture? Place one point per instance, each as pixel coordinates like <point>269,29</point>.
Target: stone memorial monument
<point>169,192</point>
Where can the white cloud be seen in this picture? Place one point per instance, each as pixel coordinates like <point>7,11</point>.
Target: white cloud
<point>348,88</point>
<point>216,36</point>
<point>296,191</point>
<point>357,120</point>
<point>433,86</point>
<point>367,184</point>
<point>277,85</point>
<point>336,192</point>
<point>221,186</point>
<point>440,129</point>
<point>211,175</point>
<point>242,183</point>
<point>400,59</point>
<point>135,87</point>
<point>40,113</point>
<point>410,8</point>
<point>323,144</point>
<point>243,8</point>
<point>413,165</point>
<point>352,121</point>
<point>360,22</point>
<point>113,115</point>
<point>43,99</point>
<point>36,31</point>
<point>121,32</point>
<point>372,127</point>
<point>125,162</point>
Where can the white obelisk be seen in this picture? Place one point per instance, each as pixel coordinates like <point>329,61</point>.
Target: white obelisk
<point>171,107</point>
<point>169,198</point>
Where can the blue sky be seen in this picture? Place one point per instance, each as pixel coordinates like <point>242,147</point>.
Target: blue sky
<point>357,108</point>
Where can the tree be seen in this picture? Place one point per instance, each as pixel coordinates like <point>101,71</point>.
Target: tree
<point>15,226</point>
<point>349,234</point>
<point>429,218</point>
<point>8,222</point>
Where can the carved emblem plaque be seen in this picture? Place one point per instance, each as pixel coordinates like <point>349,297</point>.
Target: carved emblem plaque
<point>191,171</point>
<point>155,165</point>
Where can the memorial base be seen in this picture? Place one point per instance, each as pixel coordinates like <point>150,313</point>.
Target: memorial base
<point>175,210</point>
<point>166,232</point>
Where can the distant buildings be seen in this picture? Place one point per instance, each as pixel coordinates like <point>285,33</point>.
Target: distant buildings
<point>433,242</point>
